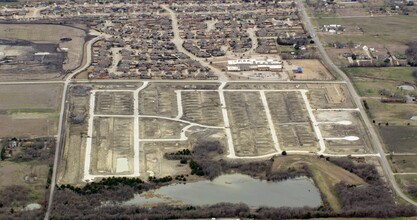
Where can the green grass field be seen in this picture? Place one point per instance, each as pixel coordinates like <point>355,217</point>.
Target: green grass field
<point>394,114</point>
<point>404,164</point>
<point>400,139</point>
<point>389,30</point>
<point>370,80</point>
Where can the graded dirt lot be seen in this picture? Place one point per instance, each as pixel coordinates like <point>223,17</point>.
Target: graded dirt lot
<point>312,70</point>
<point>29,110</point>
<point>45,33</point>
<point>156,128</point>
<point>202,107</point>
<point>158,99</point>
<point>114,103</point>
<point>340,124</point>
<point>112,150</point>
<point>249,125</point>
<point>323,96</point>
<point>291,119</point>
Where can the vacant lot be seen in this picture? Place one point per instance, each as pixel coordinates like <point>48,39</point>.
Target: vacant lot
<point>291,121</point>
<point>158,99</point>
<point>369,81</point>
<point>202,107</point>
<point>114,103</point>
<point>249,125</point>
<point>394,114</point>
<point>399,139</point>
<point>312,70</point>
<point>29,110</point>
<point>322,96</point>
<point>112,150</point>
<point>155,128</point>
<point>45,33</point>
<point>392,32</point>
<point>14,173</point>
<point>404,164</point>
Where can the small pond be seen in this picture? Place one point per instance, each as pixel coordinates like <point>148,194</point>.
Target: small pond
<point>235,188</point>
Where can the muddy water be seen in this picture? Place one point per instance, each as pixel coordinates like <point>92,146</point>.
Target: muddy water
<point>235,188</point>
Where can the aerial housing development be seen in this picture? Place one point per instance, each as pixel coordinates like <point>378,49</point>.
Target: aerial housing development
<point>143,109</point>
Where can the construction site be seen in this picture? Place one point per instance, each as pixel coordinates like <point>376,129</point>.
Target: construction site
<point>117,129</point>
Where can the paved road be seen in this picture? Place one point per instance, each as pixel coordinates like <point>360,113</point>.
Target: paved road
<point>59,138</point>
<point>376,141</point>
<point>168,81</point>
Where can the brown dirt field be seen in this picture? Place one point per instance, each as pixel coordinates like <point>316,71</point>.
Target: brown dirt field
<point>26,109</point>
<point>312,70</point>
<point>30,96</point>
<point>49,33</point>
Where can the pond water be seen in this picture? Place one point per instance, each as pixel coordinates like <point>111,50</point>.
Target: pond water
<point>235,188</point>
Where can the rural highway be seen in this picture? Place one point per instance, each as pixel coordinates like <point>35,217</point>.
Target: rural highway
<point>374,136</point>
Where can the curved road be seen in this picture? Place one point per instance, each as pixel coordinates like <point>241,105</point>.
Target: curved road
<point>178,43</point>
<point>59,138</point>
<point>377,143</point>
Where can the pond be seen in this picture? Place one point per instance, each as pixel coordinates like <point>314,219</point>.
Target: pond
<point>235,188</point>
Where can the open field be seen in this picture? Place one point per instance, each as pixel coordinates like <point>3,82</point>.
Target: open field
<point>22,41</point>
<point>14,173</point>
<point>392,31</point>
<point>29,110</point>
<point>312,70</point>
<point>325,174</point>
<point>399,139</point>
<point>369,81</point>
<point>394,114</point>
<point>404,164</point>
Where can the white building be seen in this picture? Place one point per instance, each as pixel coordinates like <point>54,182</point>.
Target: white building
<point>253,64</point>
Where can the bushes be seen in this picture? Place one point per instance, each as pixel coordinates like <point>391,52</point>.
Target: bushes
<point>110,183</point>
<point>373,200</point>
<point>366,171</point>
<point>196,169</point>
<point>412,190</point>
<point>165,179</point>
<point>184,154</point>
